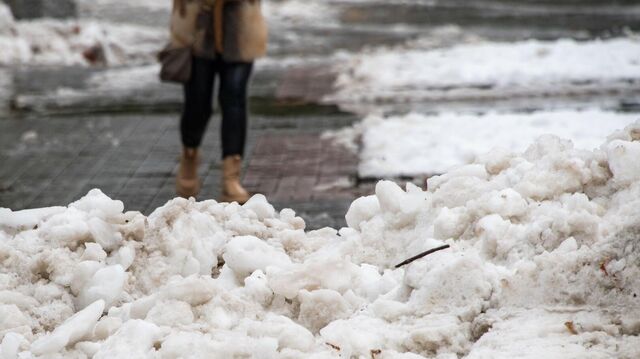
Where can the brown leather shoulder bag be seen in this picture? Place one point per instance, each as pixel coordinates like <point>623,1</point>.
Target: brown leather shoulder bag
<point>175,64</point>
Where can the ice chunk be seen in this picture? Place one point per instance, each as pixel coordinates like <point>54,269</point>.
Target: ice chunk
<point>74,329</point>
<point>170,313</point>
<point>257,287</point>
<point>89,348</point>
<point>94,252</point>
<point>26,219</point>
<point>337,274</point>
<point>288,333</point>
<point>246,254</point>
<point>506,202</point>
<point>194,290</point>
<point>623,162</point>
<point>321,307</point>
<point>361,210</point>
<point>451,223</point>
<point>104,233</point>
<point>390,196</point>
<point>22,301</point>
<point>97,204</point>
<point>10,345</point>
<point>455,280</point>
<point>135,339</point>
<point>260,206</point>
<point>106,284</point>
<point>82,274</point>
<point>124,257</point>
<point>106,327</point>
<point>11,317</point>
<point>568,245</point>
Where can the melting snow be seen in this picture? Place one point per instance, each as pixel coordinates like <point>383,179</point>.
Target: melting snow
<point>489,69</point>
<point>417,144</point>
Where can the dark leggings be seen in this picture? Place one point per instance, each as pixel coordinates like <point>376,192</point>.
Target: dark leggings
<point>232,96</point>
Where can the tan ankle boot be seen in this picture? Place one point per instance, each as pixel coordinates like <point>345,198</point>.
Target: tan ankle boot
<point>232,190</point>
<point>187,181</point>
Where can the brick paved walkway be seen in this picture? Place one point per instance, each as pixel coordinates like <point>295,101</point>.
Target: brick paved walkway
<point>54,161</point>
<point>301,171</point>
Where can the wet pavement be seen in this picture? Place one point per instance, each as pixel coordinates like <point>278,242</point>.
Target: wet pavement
<point>63,134</point>
<point>134,158</point>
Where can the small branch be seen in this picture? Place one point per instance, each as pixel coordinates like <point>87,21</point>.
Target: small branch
<point>423,254</point>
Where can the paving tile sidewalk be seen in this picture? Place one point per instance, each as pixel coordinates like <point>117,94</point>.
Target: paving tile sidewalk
<point>54,161</point>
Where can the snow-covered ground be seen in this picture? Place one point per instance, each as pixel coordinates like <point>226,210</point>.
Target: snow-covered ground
<point>490,69</point>
<point>6,90</point>
<point>544,262</point>
<point>96,5</point>
<point>75,42</point>
<point>105,30</point>
<point>417,144</point>
<point>476,71</point>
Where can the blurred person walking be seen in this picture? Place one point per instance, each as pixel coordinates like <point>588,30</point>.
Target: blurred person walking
<point>213,39</point>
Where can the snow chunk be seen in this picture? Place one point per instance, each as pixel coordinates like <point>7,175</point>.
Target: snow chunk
<point>135,339</point>
<point>246,254</point>
<point>94,252</point>
<point>170,313</point>
<point>321,307</point>
<point>362,210</point>
<point>25,219</point>
<point>260,206</point>
<point>11,345</point>
<point>621,156</point>
<point>97,204</point>
<point>106,284</point>
<point>74,329</point>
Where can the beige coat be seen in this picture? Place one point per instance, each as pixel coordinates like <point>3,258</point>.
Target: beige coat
<point>234,28</point>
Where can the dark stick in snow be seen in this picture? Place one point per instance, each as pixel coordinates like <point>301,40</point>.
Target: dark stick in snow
<point>423,254</point>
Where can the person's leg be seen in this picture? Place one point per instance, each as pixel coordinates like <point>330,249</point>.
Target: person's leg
<point>234,79</point>
<point>198,95</point>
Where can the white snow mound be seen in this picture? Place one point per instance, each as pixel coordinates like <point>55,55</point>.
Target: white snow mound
<point>490,69</point>
<point>544,262</point>
<point>432,144</point>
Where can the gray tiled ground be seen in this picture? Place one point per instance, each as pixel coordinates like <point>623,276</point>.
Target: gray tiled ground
<point>54,161</point>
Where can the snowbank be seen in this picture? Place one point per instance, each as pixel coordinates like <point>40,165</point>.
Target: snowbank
<point>544,262</point>
<point>417,144</point>
<point>489,69</point>
<point>147,4</point>
<point>82,42</point>
<point>90,41</point>
<point>6,90</point>
<point>293,12</point>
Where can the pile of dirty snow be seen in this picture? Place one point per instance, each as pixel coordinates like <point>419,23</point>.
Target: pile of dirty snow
<point>544,262</point>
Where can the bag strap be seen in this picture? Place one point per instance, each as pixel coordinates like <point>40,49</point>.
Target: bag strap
<point>218,18</point>
<point>181,6</point>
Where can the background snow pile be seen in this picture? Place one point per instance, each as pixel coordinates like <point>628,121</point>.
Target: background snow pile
<point>94,40</point>
<point>75,42</point>
<point>490,69</point>
<point>431,144</point>
<point>545,262</point>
